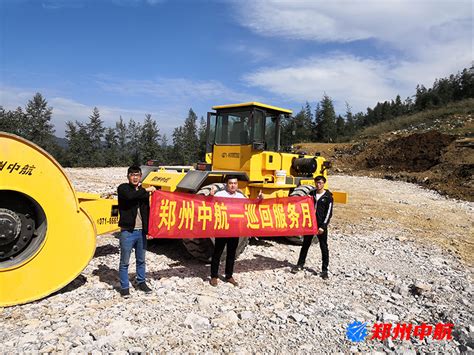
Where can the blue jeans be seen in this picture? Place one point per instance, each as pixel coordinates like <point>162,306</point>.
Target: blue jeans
<point>128,241</point>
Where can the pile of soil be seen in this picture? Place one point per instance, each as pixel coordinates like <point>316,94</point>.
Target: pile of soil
<point>414,153</point>
<point>438,161</point>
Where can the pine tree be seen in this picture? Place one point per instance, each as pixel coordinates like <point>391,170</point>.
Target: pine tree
<point>111,148</point>
<point>202,139</point>
<point>316,131</point>
<point>465,85</point>
<point>77,154</point>
<point>327,120</point>
<point>286,133</point>
<point>190,139</point>
<point>178,146</point>
<point>340,128</point>
<point>167,150</point>
<point>308,123</point>
<point>150,140</point>
<point>350,124</point>
<point>398,107</point>
<point>133,142</point>
<point>95,131</point>
<point>124,158</point>
<point>13,122</point>
<point>302,131</point>
<point>39,128</point>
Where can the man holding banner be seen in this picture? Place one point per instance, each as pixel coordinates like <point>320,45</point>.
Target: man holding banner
<point>323,202</point>
<point>230,191</point>
<point>229,213</point>
<point>134,207</point>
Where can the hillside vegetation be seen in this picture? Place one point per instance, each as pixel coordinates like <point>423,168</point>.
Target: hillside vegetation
<point>433,148</point>
<point>449,119</point>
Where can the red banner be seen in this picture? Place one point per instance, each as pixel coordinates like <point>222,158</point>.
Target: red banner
<point>182,215</point>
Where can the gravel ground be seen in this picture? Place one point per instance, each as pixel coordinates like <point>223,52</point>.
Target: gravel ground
<point>399,254</point>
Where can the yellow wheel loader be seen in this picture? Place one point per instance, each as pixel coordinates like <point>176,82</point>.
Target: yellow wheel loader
<point>48,230</point>
<point>243,140</point>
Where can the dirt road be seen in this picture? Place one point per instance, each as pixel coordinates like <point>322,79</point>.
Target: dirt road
<point>408,211</point>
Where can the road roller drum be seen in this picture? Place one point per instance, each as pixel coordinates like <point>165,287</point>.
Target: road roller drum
<point>46,237</point>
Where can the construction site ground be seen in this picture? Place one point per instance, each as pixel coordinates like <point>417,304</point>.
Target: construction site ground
<point>399,254</point>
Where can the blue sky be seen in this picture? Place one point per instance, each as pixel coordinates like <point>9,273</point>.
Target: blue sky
<point>133,57</point>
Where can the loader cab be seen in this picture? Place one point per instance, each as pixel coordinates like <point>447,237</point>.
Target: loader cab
<point>239,135</point>
<point>249,124</point>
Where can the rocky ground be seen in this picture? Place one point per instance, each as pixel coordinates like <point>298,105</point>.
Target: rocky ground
<point>399,254</point>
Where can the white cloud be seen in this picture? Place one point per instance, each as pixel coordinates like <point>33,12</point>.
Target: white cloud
<point>251,53</point>
<point>396,21</point>
<point>173,90</point>
<point>416,41</point>
<point>361,82</point>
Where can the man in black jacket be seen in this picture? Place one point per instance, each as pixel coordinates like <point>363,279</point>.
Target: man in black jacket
<point>323,202</point>
<point>134,210</point>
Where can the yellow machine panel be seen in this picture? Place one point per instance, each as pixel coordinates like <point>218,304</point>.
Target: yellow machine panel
<point>271,161</point>
<point>166,180</point>
<point>231,157</point>
<point>104,212</point>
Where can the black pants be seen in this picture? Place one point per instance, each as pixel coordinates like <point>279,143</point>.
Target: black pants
<point>219,246</point>
<point>323,244</point>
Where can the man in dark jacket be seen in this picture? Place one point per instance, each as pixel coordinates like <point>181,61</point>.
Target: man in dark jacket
<point>134,210</point>
<point>323,202</point>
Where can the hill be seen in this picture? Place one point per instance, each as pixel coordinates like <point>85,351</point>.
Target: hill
<point>433,148</point>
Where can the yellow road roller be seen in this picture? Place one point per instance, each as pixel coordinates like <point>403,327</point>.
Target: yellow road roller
<point>47,230</point>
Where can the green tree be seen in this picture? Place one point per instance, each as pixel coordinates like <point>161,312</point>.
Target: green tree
<point>398,108</point>
<point>178,146</point>
<point>300,127</point>
<point>202,139</point>
<point>350,123</point>
<point>340,128</point>
<point>111,147</point>
<point>124,157</point>
<point>326,120</point>
<point>150,140</point>
<point>78,148</point>
<point>13,122</point>
<point>95,130</point>
<point>190,139</point>
<point>316,131</point>
<point>309,123</point>
<point>167,150</point>
<point>133,142</point>
<point>464,85</point>
<point>39,128</point>
<point>287,133</point>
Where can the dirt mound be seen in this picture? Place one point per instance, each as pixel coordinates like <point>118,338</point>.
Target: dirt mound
<point>414,153</point>
<point>443,162</point>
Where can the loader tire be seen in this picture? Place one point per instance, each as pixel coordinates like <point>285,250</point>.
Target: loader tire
<point>202,248</point>
<point>302,190</point>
